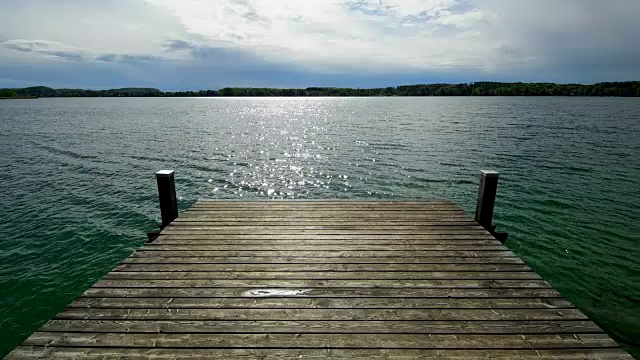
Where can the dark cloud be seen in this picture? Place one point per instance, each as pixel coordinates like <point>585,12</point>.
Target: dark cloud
<point>19,47</point>
<point>209,53</point>
<point>44,47</point>
<point>107,57</point>
<point>222,56</point>
<point>67,55</point>
<point>178,45</point>
<point>58,51</point>
<point>253,16</point>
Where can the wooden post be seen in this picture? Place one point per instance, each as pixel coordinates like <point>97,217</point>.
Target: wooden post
<point>167,194</point>
<point>486,198</point>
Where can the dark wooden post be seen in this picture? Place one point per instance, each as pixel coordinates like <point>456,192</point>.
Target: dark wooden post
<point>486,198</point>
<point>167,194</point>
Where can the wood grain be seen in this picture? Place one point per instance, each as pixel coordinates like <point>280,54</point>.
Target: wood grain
<point>113,353</point>
<point>319,303</point>
<point>323,314</point>
<point>311,341</point>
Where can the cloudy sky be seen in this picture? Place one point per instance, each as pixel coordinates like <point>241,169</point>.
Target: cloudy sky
<point>198,44</point>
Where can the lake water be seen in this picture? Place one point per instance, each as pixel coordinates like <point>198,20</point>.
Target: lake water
<point>78,189</point>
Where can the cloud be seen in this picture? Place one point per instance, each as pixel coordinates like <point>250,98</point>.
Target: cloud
<point>337,34</point>
<point>48,48</point>
<point>65,52</point>
<point>96,27</point>
<point>411,35</point>
<point>107,58</point>
<point>177,45</point>
<point>203,52</point>
<point>128,58</point>
<point>461,40</point>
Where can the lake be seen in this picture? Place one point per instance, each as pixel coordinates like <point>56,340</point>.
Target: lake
<point>78,192</point>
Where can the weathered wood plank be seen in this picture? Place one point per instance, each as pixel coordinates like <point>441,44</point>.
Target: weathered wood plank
<point>322,225</point>
<point>331,236</point>
<point>385,230</point>
<point>147,252</point>
<point>328,205</point>
<point>329,275</point>
<point>391,227</point>
<point>322,314</point>
<point>314,247</point>
<point>311,293</point>
<point>164,241</point>
<point>337,341</point>
<point>337,216</point>
<point>93,353</point>
<point>293,220</point>
<point>175,326</point>
<point>153,258</point>
<point>321,201</point>
<point>246,283</point>
<point>214,213</point>
<point>330,217</point>
<point>320,204</point>
<point>320,303</point>
<point>322,267</point>
<point>324,209</point>
<point>39,352</point>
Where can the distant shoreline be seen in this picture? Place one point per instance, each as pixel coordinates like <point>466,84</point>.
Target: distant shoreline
<point>309,96</point>
<point>18,97</point>
<point>604,89</point>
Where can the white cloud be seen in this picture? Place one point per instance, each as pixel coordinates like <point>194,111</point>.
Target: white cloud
<point>409,34</point>
<point>329,35</point>
<point>90,27</point>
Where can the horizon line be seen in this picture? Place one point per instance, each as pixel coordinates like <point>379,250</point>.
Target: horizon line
<point>325,87</point>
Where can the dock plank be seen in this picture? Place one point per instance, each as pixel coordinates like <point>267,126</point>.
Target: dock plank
<point>324,275</point>
<point>312,293</point>
<point>252,314</point>
<point>321,279</point>
<point>311,341</point>
<point>149,252</point>
<point>316,247</point>
<point>321,242</point>
<point>315,283</point>
<point>325,303</point>
<point>324,236</point>
<point>352,326</point>
<point>152,258</point>
<point>304,267</point>
<point>109,353</point>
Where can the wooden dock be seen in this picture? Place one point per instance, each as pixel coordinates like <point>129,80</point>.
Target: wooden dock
<point>321,279</point>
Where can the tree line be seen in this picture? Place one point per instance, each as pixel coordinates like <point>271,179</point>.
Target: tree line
<point>485,88</point>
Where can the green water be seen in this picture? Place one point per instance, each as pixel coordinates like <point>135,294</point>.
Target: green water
<point>78,191</point>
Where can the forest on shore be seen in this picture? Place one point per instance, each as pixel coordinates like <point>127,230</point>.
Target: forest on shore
<point>485,88</point>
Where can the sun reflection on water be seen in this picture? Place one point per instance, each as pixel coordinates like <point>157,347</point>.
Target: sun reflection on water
<point>279,149</point>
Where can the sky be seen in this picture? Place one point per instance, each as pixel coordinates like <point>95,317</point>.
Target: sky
<point>200,44</point>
